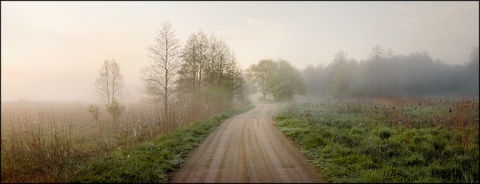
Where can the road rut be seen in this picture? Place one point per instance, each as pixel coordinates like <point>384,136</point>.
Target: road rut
<point>247,148</point>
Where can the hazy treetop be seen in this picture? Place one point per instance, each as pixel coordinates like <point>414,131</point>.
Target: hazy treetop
<point>52,50</point>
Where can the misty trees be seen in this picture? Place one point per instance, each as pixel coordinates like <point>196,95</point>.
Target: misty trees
<point>340,78</point>
<point>194,55</point>
<point>385,73</point>
<point>472,71</point>
<point>309,77</point>
<point>201,77</point>
<point>261,75</point>
<point>240,86</point>
<point>109,85</point>
<point>286,81</point>
<point>278,78</point>
<point>160,75</point>
<point>343,78</point>
<point>315,80</point>
<point>94,111</point>
<point>209,73</point>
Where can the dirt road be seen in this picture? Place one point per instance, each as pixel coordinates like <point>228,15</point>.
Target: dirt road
<point>247,148</point>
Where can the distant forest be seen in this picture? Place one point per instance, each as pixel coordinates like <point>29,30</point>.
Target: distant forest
<point>384,73</point>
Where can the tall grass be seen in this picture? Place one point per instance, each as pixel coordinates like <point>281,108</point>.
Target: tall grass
<point>44,142</point>
<point>150,161</point>
<point>388,139</point>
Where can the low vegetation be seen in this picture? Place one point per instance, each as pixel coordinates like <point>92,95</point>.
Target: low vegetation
<point>388,139</point>
<point>46,142</point>
<point>150,161</point>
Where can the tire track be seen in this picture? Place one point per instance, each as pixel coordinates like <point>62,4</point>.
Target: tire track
<point>247,148</point>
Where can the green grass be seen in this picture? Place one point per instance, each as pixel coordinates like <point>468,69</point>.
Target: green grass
<point>348,146</point>
<point>150,161</point>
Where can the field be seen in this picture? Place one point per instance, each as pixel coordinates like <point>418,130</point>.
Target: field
<point>47,142</point>
<point>388,139</point>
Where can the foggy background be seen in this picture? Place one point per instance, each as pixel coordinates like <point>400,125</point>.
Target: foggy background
<point>54,50</point>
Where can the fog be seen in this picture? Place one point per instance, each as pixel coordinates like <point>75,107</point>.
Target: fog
<point>385,73</point>
<point>53,51</point>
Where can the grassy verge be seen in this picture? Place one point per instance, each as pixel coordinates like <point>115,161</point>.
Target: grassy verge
<point>150,161</point>
<point>357,146</point>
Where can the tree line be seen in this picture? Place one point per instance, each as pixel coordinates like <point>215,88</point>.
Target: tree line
<point>201,77</point>
<point>384,73</point>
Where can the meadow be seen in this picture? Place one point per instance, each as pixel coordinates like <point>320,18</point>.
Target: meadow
<point>53,141</point>
<point>388,139</point>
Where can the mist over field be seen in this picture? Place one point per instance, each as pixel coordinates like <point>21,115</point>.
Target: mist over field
<point>122,92</point>
<point>52,51</point>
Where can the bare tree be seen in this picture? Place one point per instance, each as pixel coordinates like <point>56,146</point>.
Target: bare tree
<point>109,83</point>
<point>160,76</point>
<point>109,86</point>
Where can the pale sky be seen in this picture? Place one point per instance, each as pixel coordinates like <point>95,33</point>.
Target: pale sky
<point>54,50</point>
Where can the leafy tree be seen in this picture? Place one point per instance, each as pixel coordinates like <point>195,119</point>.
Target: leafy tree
<point>343,79</point>
<point>193,56</point>
<point>209,72</point>
<point>287,81</point>
<point>278,78</point>
<point>261,75</point>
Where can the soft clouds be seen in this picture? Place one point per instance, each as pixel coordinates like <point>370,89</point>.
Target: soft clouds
<point>255,30</point>
<point>449,18</point>
<point>47,45</point>
<point>245,36</point>
<point>268,28</point>
<point>444,29</point>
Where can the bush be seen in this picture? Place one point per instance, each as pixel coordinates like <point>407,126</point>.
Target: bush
<point>313,139</point>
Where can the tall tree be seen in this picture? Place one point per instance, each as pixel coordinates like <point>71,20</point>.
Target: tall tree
<point>286,81</point>
<point>261,75</point>
<point>193,57</point>
<point>278,78</point>
<point>208,65</point>
<point>160,75</point>
<point>343,78</point>
<point>109,83</point>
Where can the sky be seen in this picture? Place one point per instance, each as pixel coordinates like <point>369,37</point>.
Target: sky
<point>52,51</point>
